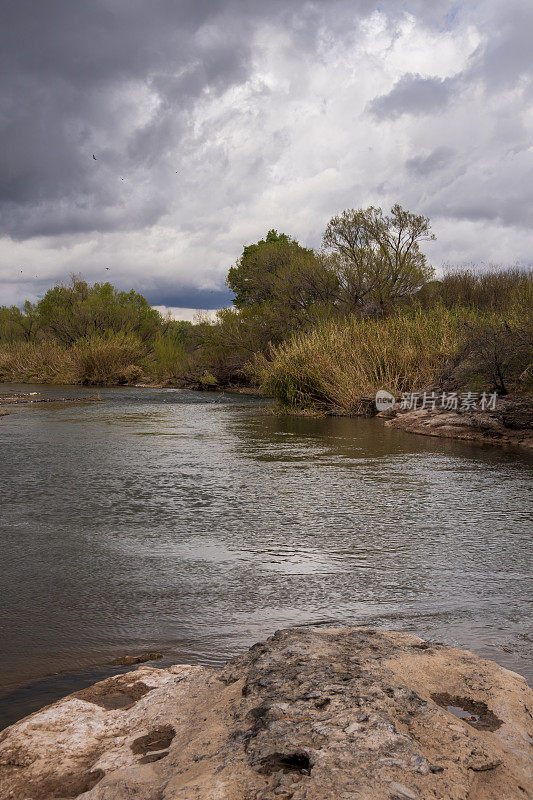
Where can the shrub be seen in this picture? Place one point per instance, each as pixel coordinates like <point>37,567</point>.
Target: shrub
<point>107,358</point>
<point>45,362</point>
<point>493,290</point>
<point>497,353</point>
<point>341,365</point>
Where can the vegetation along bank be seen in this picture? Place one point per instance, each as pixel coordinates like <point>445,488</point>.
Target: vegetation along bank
<point>319,330</point>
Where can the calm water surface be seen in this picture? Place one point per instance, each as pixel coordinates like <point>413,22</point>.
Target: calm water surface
<point>196,524</point>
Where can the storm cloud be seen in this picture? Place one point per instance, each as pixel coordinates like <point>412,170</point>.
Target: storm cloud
<point>211,121</point>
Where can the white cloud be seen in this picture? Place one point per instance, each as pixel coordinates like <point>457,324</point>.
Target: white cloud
<point>186,314</point>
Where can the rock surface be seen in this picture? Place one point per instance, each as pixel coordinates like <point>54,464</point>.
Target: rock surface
<point>313,713</point>
<point>509,425</point>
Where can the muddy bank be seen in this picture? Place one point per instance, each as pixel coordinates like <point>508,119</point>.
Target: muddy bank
<point>311,714</point>
<point>510,424</point>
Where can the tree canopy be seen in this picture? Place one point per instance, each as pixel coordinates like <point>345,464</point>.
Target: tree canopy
<point>377,257</point>
<point>77,310</point>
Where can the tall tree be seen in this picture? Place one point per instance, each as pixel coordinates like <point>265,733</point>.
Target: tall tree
<point>376,257</point>
<point>279,278</point>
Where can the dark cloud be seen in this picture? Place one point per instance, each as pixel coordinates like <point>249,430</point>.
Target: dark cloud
<point>187,297</point>
<point>412,94</point>
<point>214,120</point>
<point>436,160</point>
<point>118,79</point>
<point>504,60</point>
<point>75,77</point>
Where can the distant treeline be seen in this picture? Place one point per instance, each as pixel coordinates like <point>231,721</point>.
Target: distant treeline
<point>318,329</point>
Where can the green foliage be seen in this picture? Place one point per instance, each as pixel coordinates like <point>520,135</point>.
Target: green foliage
<point>90,334</point>
<point>18,324</point>
<point>168,357</point>
<point>279,287</point>
<point>249,278</point>
<point>76,311</point>
<point>282,283</point>
<point>377,258</point>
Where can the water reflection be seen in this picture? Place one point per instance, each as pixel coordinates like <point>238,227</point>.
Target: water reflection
<point>196,523</point>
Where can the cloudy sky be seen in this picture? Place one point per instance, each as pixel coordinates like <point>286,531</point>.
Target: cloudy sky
<point>215,120</point>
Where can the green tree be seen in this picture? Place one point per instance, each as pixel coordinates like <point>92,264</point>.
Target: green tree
<point>79,310</point>
<point>286,284</point>
<point>18,324</point>
<point>377,258</point>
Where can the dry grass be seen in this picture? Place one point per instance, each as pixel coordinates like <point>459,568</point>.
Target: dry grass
<point>340,364</point>
<point>31,362</point>
<point>110,358</point>
<point>93,360</point>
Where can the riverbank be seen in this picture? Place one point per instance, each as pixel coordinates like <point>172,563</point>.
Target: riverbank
<point>510,424</point>
<point>312,713</point>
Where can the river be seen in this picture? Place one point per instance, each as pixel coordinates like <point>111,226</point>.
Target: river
<point>197,523</point>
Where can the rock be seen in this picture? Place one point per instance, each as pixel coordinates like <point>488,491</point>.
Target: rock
<point>258,729</point>
<point>402,792</point>
<point>510,424</point>
<point>129,660</point>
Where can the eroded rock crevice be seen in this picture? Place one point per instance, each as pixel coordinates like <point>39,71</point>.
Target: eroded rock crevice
<point>311,714</point>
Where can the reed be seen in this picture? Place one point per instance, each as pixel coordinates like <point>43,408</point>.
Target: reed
<point>342,364</point>
<point>108,358</point>
<point>37,362</point>
<point>97,360</point>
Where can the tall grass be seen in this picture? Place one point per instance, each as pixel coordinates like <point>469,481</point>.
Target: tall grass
<point>340,365</point>
<point>491,290</point>
<point>167,358</point>
<point>107,358</point>
<point>43,362</point>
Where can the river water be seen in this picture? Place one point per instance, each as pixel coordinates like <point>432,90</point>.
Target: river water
<point>196,524</point>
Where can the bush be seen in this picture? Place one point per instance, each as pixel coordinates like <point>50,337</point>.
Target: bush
<point>107,358</point>
<point>497,354</point>
<point>341,365</point>
<point>496,290</point>
<point>46,362</point>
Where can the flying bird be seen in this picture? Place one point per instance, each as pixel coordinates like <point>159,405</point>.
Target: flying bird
<point>94,156</point>
<point>107,267</point>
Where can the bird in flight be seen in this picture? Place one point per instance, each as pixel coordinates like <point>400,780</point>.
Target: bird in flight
<point>107,267</point>
<point>94,156</point>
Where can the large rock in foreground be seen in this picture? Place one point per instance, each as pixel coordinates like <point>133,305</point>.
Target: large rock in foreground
<point>315,713</point>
